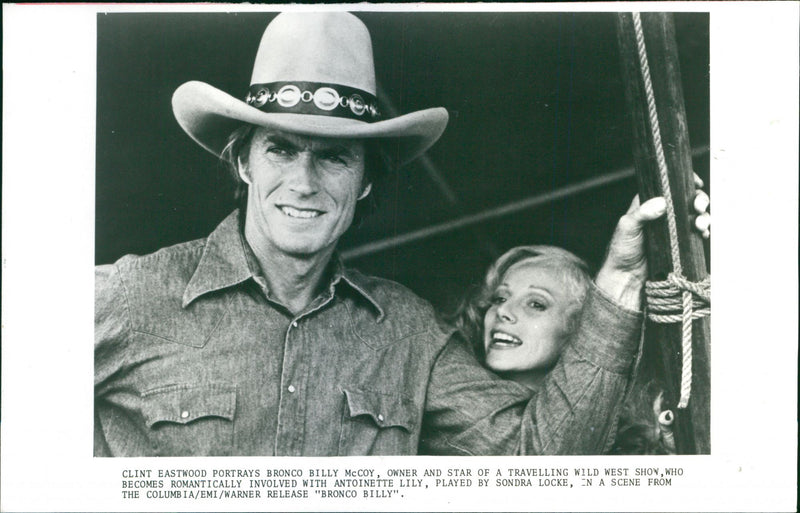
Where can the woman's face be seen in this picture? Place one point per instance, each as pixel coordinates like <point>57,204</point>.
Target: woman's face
<point>526,325</point>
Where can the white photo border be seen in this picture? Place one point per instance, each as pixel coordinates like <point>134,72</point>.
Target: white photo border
<point>48,219</point>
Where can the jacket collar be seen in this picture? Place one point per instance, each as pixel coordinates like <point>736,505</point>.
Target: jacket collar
<point>227,260</point>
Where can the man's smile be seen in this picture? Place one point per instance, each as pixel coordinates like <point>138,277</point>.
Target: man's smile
<point>300,213</point>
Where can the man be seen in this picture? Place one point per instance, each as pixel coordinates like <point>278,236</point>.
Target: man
<point>257,341</point>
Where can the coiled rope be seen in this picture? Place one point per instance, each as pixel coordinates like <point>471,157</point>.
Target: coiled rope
<point>675,299</point>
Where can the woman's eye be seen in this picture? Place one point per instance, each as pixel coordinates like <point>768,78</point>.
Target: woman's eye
<point>496,300</point>
<point>537,305</point>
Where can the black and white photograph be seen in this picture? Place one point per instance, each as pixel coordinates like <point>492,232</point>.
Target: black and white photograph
<point>337,232</point>
<point>270,336</point>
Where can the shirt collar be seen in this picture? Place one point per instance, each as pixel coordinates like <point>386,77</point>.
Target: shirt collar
<point>227,260</point>
<point>357,282</point>
<point>223,263</point>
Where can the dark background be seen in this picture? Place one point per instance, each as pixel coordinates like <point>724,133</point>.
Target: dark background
<point>536,104</point>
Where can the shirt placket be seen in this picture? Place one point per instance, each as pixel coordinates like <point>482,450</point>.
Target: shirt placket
<point>290,437</point>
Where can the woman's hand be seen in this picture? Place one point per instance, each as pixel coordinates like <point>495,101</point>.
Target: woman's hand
<point>702,222</point>
<point>625,268</point>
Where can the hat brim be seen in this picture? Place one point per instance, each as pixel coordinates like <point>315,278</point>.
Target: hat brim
<point>209,115</point>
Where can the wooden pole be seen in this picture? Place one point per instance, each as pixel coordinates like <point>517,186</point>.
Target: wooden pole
<point>661,357</point>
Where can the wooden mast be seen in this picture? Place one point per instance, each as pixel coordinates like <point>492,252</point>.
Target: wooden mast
<point>662,355</point>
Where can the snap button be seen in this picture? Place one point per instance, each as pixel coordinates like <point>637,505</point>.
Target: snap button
<point>184,414</point>
<point>380,417</point>
<point>291,389</point>
<point>294,324</point>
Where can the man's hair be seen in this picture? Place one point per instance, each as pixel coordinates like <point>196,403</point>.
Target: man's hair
<point>376,166</point>
<point>573,272</point>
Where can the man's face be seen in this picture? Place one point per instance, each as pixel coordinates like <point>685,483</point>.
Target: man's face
<point>303,191</point>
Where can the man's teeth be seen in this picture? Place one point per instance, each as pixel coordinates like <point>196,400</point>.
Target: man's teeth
<point>302,214</point>
<point>505,338</point>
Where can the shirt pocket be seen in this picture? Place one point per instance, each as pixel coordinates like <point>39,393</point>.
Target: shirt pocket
<point>191,420</point>
<point>378,423</point>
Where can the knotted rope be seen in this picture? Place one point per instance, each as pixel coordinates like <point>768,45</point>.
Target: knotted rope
<point>675,299</point>
<point>665,298</point>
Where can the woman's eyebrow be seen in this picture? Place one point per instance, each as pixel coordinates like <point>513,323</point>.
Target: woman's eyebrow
<point>539,288</point>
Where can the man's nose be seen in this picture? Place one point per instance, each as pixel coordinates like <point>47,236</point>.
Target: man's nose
<point>504,312</point>
<point>304,178</point>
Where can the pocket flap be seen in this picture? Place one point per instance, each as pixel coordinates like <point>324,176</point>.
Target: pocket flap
<point>384,409</point>
<point>185,403</point>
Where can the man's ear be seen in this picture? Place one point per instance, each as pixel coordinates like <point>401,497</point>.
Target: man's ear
<point>243,172</point>
<point>365,192</point>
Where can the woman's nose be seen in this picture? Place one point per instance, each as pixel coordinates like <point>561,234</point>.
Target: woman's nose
<point>504,312</point>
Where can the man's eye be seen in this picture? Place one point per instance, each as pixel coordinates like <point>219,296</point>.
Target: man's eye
<point>335,159</point>
<point>279,151</point>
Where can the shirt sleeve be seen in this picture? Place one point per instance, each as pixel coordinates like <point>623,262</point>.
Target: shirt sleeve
<point>471,411</point>
<point>112,328</point>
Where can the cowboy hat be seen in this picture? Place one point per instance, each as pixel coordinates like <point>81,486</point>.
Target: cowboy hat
<point>313,75</point>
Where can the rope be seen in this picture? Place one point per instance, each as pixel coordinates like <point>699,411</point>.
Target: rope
<point>665,298</point>
<point>676,299</point>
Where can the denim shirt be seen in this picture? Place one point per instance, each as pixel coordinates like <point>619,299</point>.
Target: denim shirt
<point>193,357</point>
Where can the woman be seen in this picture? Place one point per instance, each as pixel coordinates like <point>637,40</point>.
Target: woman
<point>520,320</point>
<point>521,317</point>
